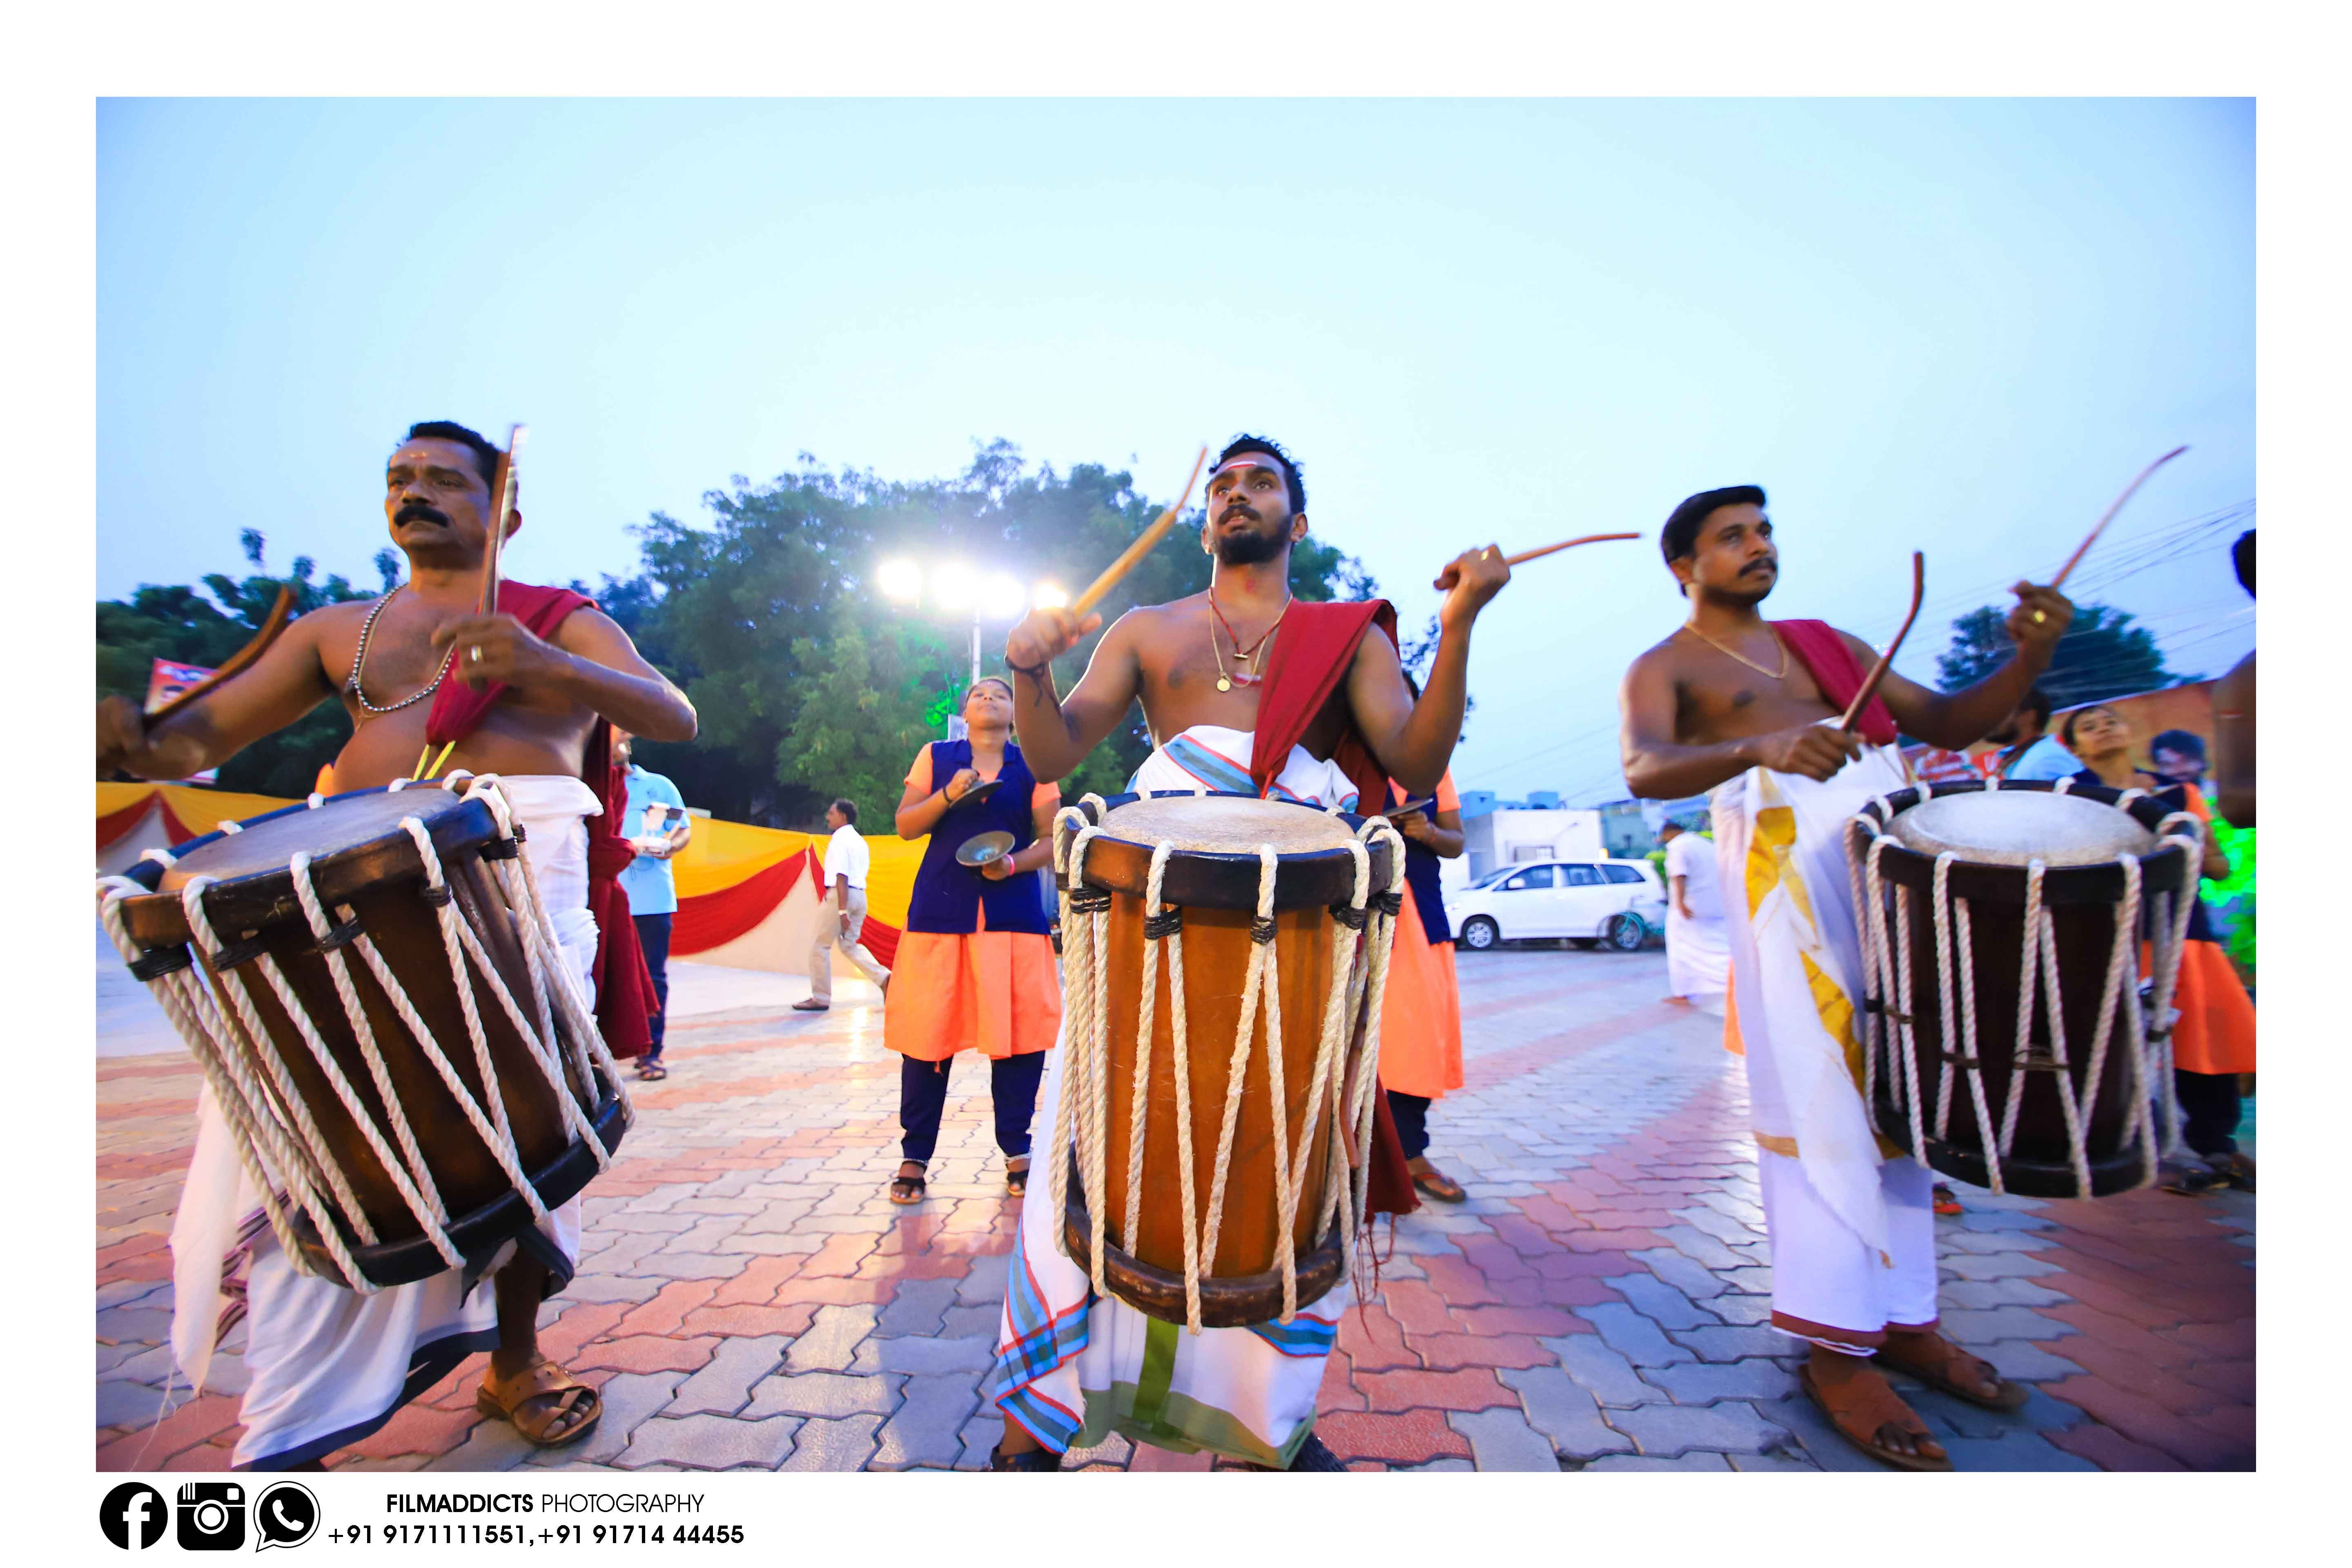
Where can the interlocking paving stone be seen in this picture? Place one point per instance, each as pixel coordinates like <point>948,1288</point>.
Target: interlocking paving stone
<point>1637,1338</point>
<point>1502,1441</point>
<point>928,1427</point>
<point>1704,1382</point>
<point>1565,1412</point>
<point>1672,1430</point>
<point>724,1385</point>
<point>1613,1190</point>
<point>832,1339</point>
<point>2018,1451</point>
<point>710,1443</point>
<point>916,1307</point>
<point>842,1445</point>
<point>1695,1461</point>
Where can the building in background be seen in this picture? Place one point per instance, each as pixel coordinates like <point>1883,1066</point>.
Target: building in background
<point>1507,833</point>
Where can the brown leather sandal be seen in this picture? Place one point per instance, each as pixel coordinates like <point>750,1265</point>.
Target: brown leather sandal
<point>1865,1407</point>
<point>1436,1182</point>
<point>518,1399</point>
<point>1946,1358</point>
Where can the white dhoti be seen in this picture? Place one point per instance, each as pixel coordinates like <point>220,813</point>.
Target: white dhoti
<point>1072,1368</point>
<point>1852,1232</point>
<point>328,1365</point>
<point>1699,954</point>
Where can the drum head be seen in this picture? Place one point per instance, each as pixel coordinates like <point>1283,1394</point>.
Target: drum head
<point>2010,827</point>
<point>1227,825</point>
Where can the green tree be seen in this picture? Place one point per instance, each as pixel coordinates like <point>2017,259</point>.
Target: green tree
<point>2103,654</point>
<point>183,626</point>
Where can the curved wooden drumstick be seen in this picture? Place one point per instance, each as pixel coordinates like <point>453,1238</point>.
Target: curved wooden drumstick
<point>239,662</point>
<point>1564,544</point>
<point>2085,548</point>
<point>1102,585</point>
<point>503,485</point>
<point>1886,660</point>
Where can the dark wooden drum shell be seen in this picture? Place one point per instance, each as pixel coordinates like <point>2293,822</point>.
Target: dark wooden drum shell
<point>1218,899</point>
<point>2083,904</point>
<point>363,859</point>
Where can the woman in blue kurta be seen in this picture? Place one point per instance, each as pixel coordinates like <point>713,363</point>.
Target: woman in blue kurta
<point>975,966</point>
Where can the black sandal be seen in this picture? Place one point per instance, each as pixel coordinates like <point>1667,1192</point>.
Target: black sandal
<point>1034,1459</point>
<point>1016,1177</point>
<point>650,1070</point>
<point>905,1189</point>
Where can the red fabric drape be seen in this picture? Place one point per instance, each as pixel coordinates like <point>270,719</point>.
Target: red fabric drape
<point>624,987</point>
<point>713,920</point>
<point>1817,646</point>
<point>115,825</point>
<point>1310,659</point>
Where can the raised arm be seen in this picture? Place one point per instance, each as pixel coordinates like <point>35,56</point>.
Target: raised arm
<point>1956,718</point>
<point>1056,733</point>
<point>285,683</point>
<point>1415,741</point>
<point>591,660</point>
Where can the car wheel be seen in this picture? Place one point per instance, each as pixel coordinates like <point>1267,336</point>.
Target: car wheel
<point>1479,933</point>
<point>1627,933</point>
<point>1584,944</point>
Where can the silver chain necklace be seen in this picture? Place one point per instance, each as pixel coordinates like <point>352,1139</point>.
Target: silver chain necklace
<point>359,663</point>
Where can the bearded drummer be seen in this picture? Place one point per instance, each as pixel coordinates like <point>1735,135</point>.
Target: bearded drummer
<point>1748,709</point>
<point>531,694</point>
<point>1244,689</point>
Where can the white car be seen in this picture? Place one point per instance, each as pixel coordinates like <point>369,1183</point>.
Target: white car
<point>1620,903</point>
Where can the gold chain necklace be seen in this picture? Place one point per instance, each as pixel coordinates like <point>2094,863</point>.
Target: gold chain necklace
<point>1778,674</point>
<point>1246,663</point>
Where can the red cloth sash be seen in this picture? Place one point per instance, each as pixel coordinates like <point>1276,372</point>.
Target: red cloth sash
<point>624,987</point>
<point>1823,652</point>
<point>1309,660</point>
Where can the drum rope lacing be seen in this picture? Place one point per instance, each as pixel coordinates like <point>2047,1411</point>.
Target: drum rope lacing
<point>226,1055</point>
<point>1080,1126</point>
<point>1886,958</point>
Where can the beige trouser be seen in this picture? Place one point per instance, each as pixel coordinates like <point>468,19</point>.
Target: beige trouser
<point>832,931</point>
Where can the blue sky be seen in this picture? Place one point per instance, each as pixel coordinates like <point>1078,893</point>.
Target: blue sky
<point>1959,326</point>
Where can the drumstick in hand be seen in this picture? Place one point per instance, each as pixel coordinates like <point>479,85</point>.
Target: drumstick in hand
<point>1102,585</point>
<point>502,496</point>
<point>1564,544</point>
<point>1886,660</point>
<point>2085,548</point>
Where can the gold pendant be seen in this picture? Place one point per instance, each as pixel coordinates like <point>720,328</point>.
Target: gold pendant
<point>1224,684</point>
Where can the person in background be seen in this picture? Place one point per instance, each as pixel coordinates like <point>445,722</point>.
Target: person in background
<point>2025,751</point>
<point>2213,1041</point>
<point>2233,714</point>
<point>1420,1016</point>
<point>847,860</point>
<point>976,962</point>
<point>2178,757</point>
<point>1699,954</point>
<point>656,824</point>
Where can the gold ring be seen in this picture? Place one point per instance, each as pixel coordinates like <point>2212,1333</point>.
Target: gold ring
<point>2038,618</point>
<point>478,653</point>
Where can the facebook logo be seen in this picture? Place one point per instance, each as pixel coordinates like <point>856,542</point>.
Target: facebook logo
<point>132,1516</point>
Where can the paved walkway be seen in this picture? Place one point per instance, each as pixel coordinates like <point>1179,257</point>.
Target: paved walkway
<point>749,1298</point>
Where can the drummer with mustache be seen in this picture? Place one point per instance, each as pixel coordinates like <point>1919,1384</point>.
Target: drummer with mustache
<point>1248,691</point>
<point>1747,709</point>
<point>529,694</point>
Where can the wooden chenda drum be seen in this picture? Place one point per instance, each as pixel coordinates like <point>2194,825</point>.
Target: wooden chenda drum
<point>1224,959</point>
<point>382,1009</point>
<point>2009,1041</point>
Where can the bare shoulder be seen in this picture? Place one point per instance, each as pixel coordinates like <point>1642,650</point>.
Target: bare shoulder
<point>1661,659</point>
<point>588,625</point>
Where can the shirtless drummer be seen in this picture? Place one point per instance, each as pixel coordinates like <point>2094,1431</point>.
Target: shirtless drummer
<point>327,1366</point>
<point>1749,705</point>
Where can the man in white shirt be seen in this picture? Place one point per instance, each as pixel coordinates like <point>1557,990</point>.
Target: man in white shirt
<point>839,923</point>
<point>1698,954</point>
